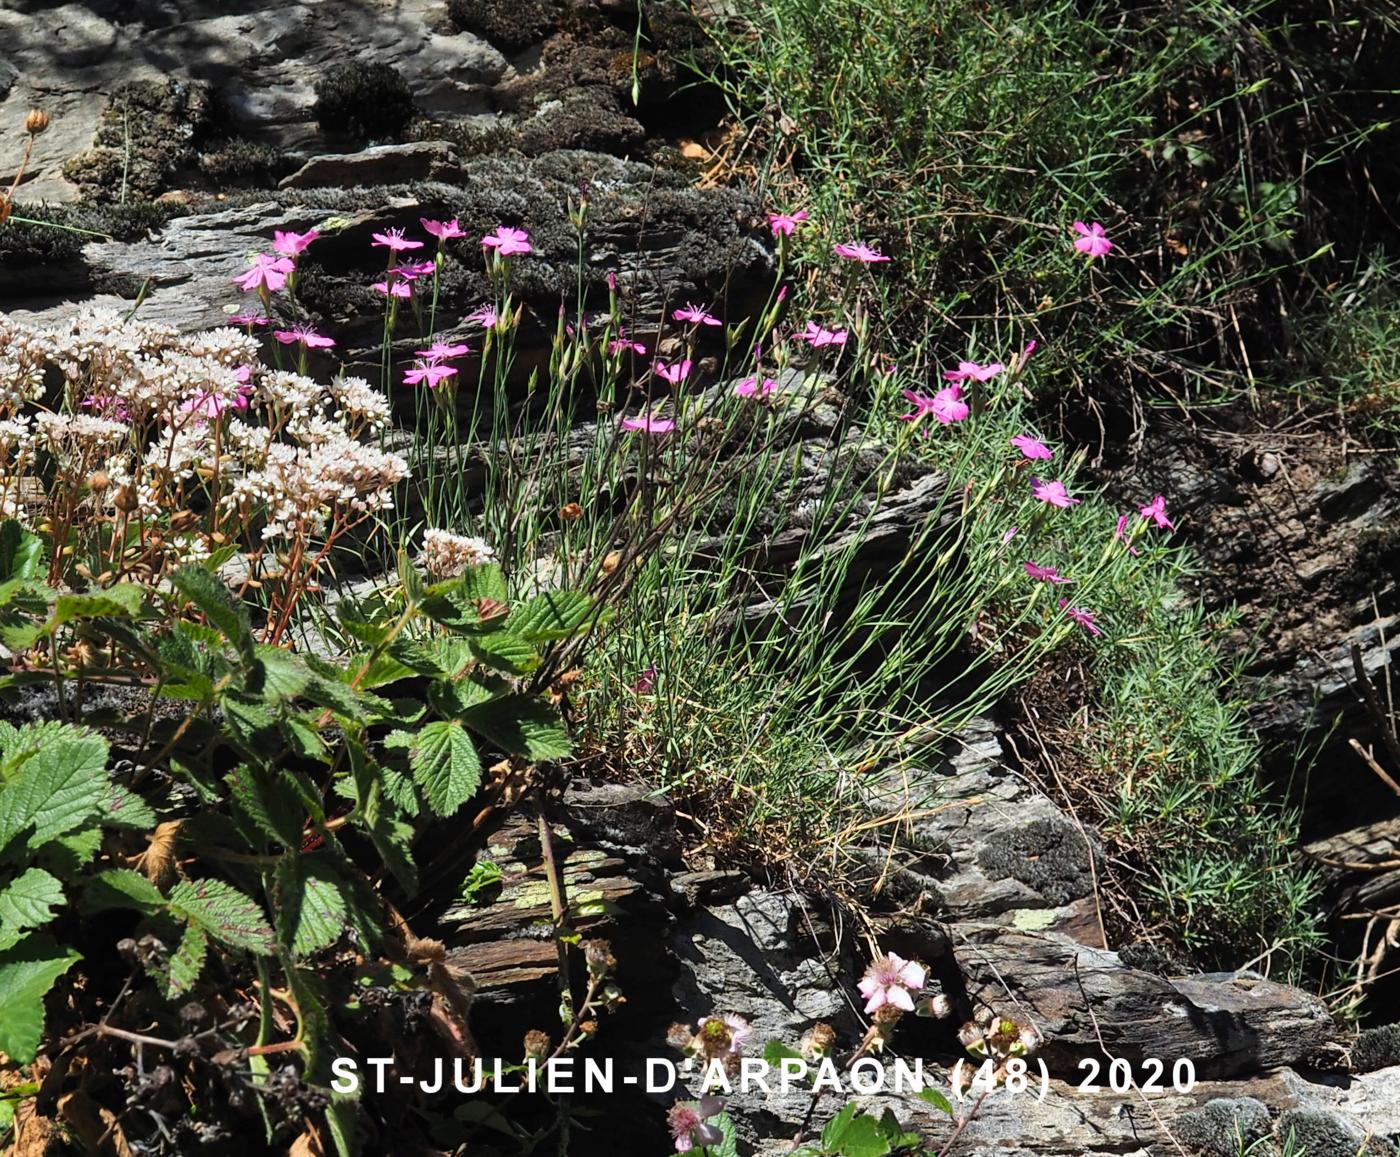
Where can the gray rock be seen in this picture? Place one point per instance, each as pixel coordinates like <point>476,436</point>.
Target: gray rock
<point>379,165</point>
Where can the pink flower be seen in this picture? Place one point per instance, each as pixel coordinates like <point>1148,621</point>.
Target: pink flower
<point>1092,239</point>
<point>891,979</point>
<point>1156,511</point>
<point>1045,574</point>
<point>646,681</point>
<point>247,319</point>
<point>442,230</point>
<point>973,370</point>
<point>1032,448</point>
<point>1122,536</point>
<point>415,269</point>
<point>785,224</point>
<point>816,336</point>
<point>649,425</point>
<point>484,316</point>
<point>622,342</point>
<point>1026,353</point>
<point>304,335</point>
<point>507,242</point>
<point>397,288</point>
<point>946,405</point>
<point>269,272</point>
<point>1084,618</point>
<point>395,241</point>
<point>291,244</point>
<point>109,405</point>
<point>1053,493</point>
<point>750,387</point>
<point>429,372</point>
<point>695,315</point>
<point>860,251</point>
<point>210,403</point>
<point>673,372</point>
<point>441,349</point>
<point>689,1123</point>
<point>1010,534</point>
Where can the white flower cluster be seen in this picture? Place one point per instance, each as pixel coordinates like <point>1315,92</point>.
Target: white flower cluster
<point>106,418</point>
<point>447,555</point>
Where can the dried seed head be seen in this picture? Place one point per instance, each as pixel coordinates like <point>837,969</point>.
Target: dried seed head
<point>36,122</point>
<point>98,481</point>
<point>571,512</point>
<point>537,1045</point>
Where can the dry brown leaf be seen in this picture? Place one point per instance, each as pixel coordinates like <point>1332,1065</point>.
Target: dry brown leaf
<point>694,151</point>
<point>308,1144</point>
<point>158,860</point>
<point>96,1126</point>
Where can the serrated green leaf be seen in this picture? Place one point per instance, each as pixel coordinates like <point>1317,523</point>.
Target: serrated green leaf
<point>225,913</point>
<point>121,888</point>
<point>277,675</point>
<point>775,1052</point>
<point>554,615</point>
<point>937,1100</point>
<point>504,651</point>
<point>213,600</point>
<point>27,972</point>
<point>187,961</point>
<point>861,1137</point>
<point>312,907</point>
<point>269,802</point>
<point>454,698</point>
<point>60,787</point>
<point>26,903</point>
<point>445,765</point>
<point>120,601</point>
<point>126,809</point>
<point>520,725</point>
<point>831,1134</point>
<point>21,552</point>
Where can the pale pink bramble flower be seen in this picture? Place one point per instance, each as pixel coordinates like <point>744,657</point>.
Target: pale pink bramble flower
<point>292,244</point>
<point>689,1124</point>
<point>269,272</point>
<point>441,349</point>
<point>974,371</point>
<point>1121,534</point>
<point>442,230</point>
<point>891,980</point>
<point>1053,492</point>
<point>817,336</point>
<point>751,387</point>
<point>785,224</point>
<point>860,251</point>
<point>1032,448</point>
<point>429,373</point>
<point>1092,239</point>
<point>673,372</point>
<point>507,241</point>
<point>646,424</point>
<point>395,241</point>
<point>695,315</point>
<point>303,335</point>
<point>1156,511</point>
<point>1084,618</point>
<point>1045,574</point>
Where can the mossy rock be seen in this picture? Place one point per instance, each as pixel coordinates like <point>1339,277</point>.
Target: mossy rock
<point>52,240</point>
<point>508,24</point>
<point>1317,1133</point>
<point>1224,1127</point>
<point>244,164</point>
<point>1046,854</point>
<point>148,140</point>
<point>364,100</point>
<point>1376,1048</point>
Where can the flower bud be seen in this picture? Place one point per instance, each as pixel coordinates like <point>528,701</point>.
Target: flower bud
<point>818,1043</point>
<point>537,1045</point>
<point>597,955</point>
<point>36,122</point>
